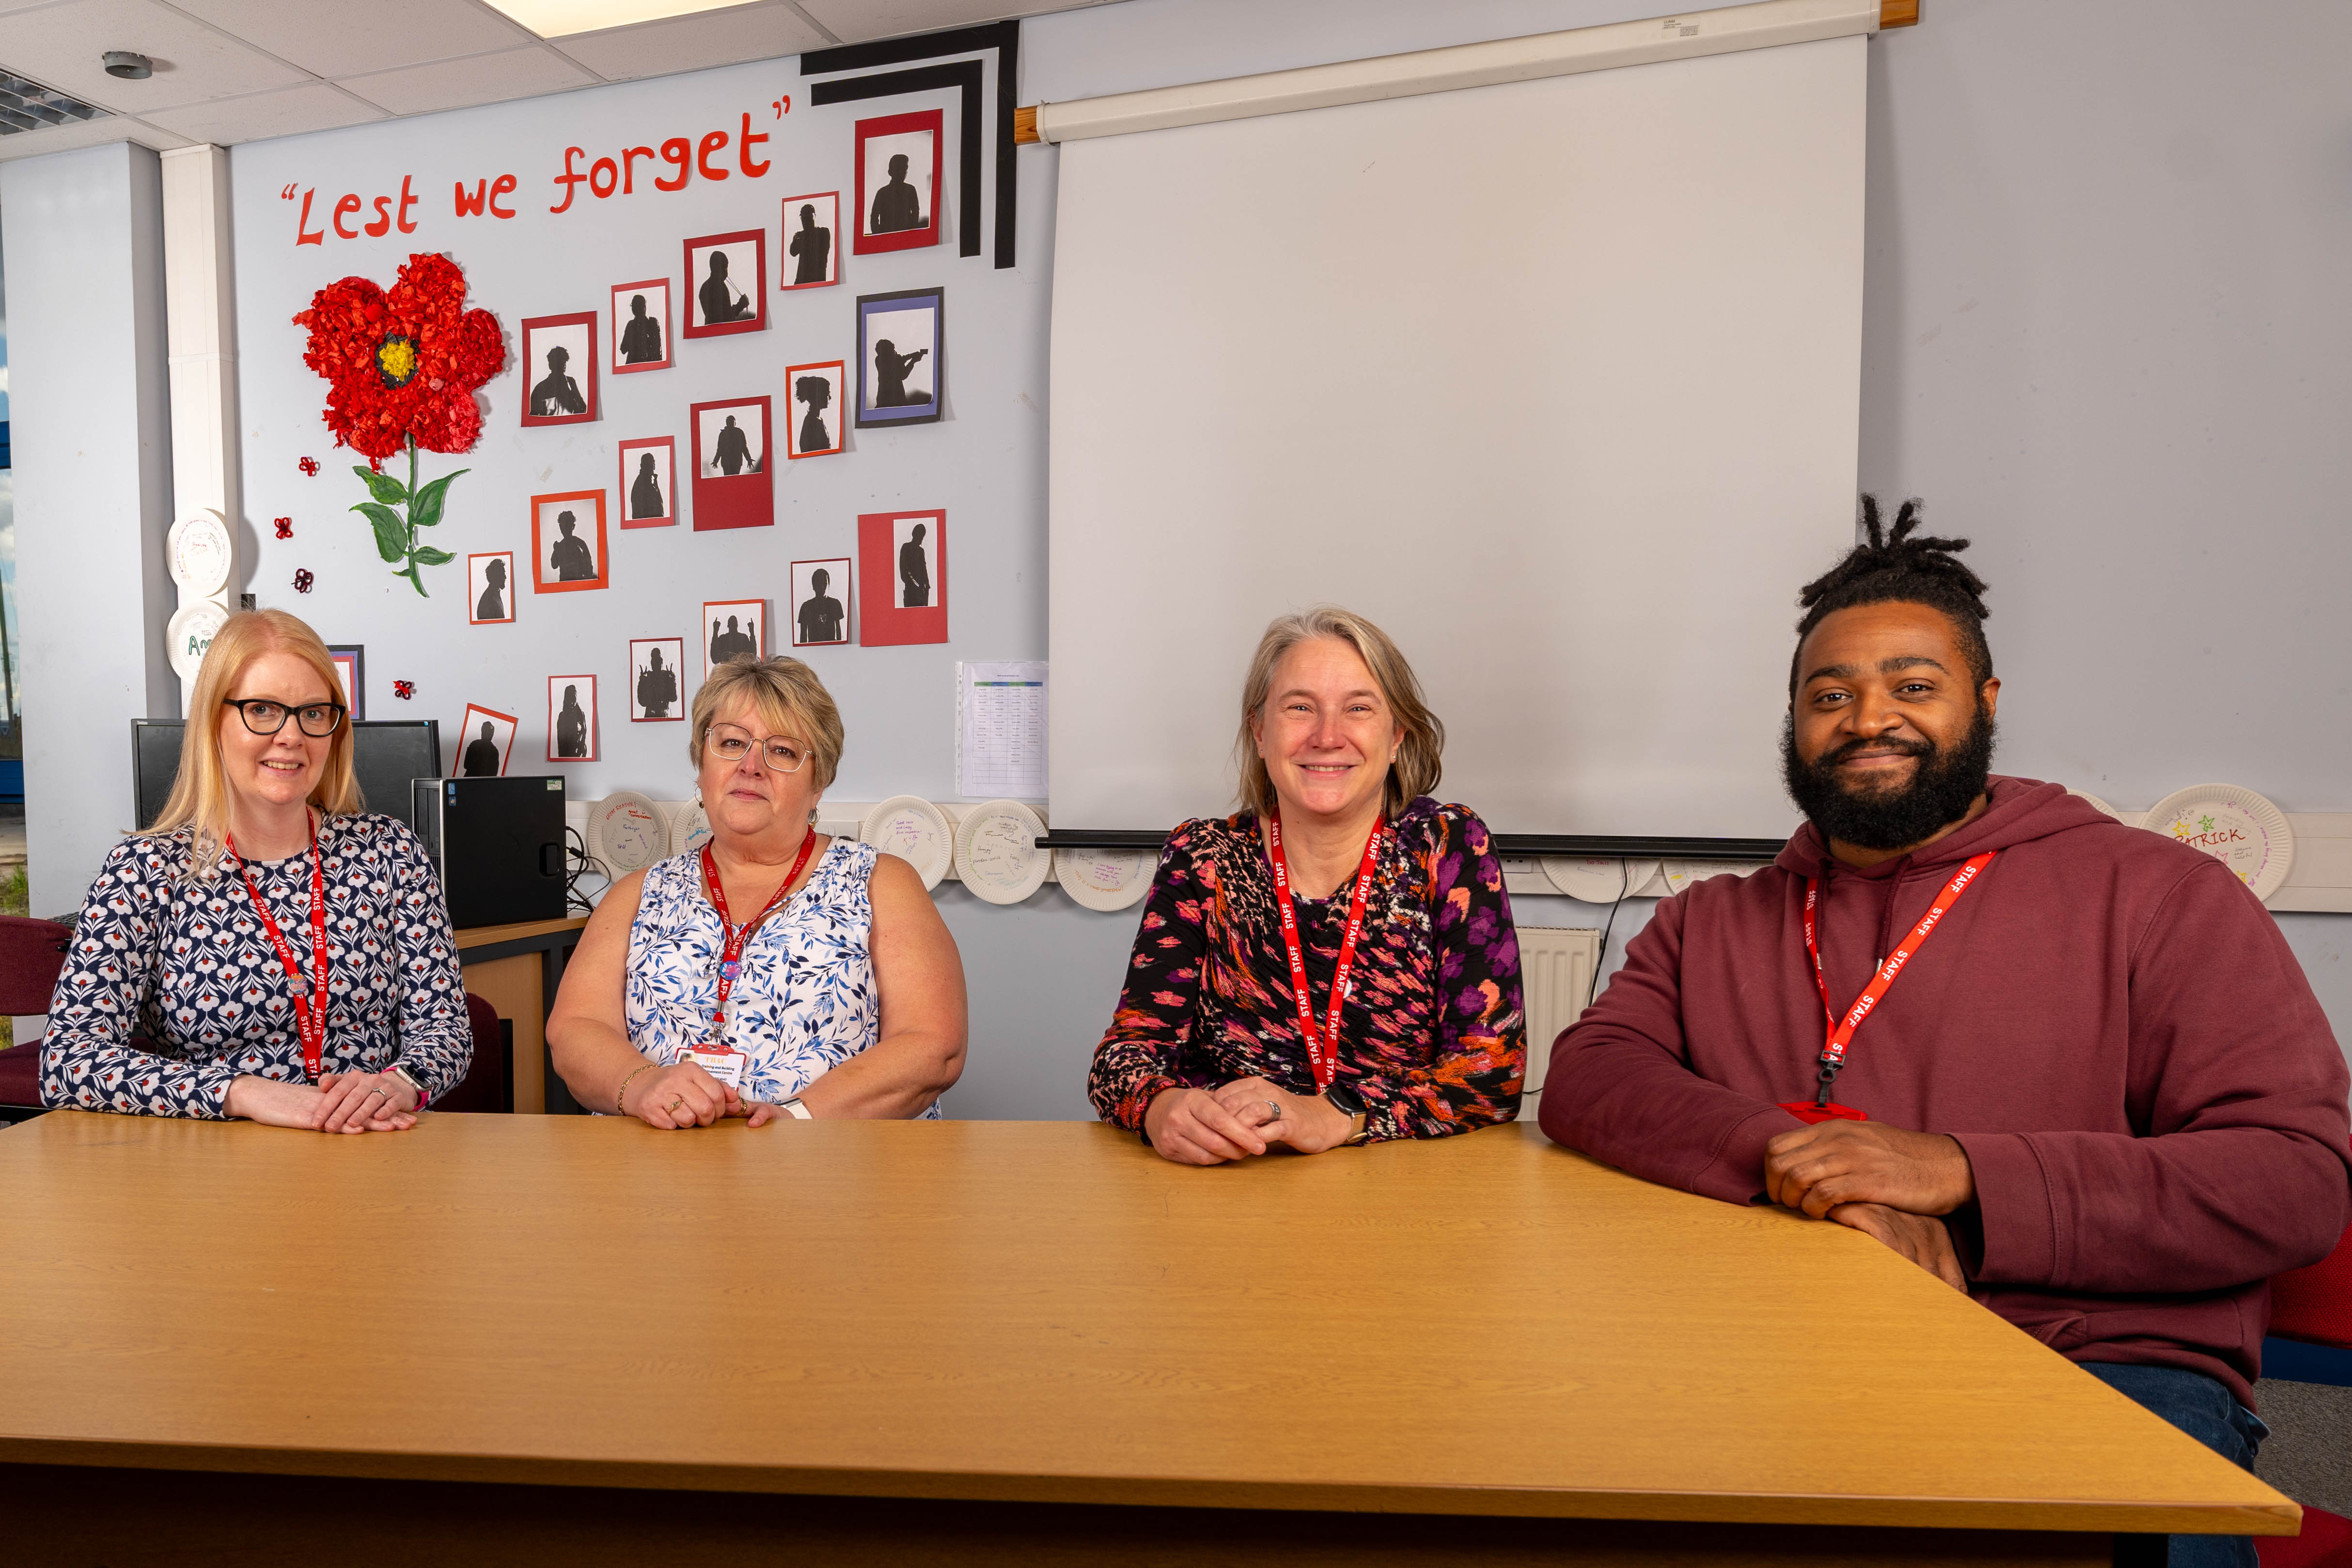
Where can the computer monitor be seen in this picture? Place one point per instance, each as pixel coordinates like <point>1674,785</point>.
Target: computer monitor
<point>386,755</point>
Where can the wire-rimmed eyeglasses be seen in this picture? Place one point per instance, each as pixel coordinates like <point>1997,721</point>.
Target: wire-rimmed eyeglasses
<point>782,755</point>
<point>263,717</point>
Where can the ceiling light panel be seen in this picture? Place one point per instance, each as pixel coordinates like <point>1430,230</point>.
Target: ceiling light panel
<point>561,18</point>
<point>29,106</point>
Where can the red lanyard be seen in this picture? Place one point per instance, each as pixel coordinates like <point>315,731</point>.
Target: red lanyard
<point>730,955</point>
<point>310,1017</point>
<point>1323,1046</point>
<point>1840,1031</point>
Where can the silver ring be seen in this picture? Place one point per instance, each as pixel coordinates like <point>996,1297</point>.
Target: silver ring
<point>1276,1108</point>
<point>373,1089</point>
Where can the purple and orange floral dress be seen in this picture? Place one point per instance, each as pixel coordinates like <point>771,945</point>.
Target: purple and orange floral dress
<point>1432,1035</point>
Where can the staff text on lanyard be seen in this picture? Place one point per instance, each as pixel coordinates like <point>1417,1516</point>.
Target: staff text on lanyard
<point>1841,1030</point>
<point>1323,1045</point>
<point>311,1016</point>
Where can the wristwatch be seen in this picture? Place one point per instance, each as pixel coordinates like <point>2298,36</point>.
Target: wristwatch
<point>410,1078</point>
<point>1350,1104</point>
<point>794,1106</point>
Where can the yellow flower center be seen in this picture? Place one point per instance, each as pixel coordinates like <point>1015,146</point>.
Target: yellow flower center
<point>396,358</point>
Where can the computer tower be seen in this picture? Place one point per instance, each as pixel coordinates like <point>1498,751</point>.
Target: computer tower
<point>498,844</point>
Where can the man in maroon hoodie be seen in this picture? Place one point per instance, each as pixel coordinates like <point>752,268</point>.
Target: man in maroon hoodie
<point>2099,1095</point>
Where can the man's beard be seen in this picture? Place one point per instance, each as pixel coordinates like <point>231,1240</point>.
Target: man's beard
<point>1943,786</point>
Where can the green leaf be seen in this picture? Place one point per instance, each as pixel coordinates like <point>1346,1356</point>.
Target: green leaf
<point>391,533</point>
<point>430,556</point>
<point>426,511</point>
<point>383,487</point>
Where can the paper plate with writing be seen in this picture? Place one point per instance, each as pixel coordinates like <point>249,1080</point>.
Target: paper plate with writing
<point>1105,880</point>
<point>627,832</point>
<point>1601,880</point>
<point>690,827</point>
<point>996,852</point>
<point>915,831</point>
<point>2234,826</point>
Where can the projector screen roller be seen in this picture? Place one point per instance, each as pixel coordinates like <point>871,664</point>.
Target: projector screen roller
<point>1557,382</point>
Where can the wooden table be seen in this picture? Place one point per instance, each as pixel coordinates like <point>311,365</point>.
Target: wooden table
<point>544,1339</point>
<point>516,969</point>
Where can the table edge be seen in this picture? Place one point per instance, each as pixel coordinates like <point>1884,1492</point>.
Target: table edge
<point>977,1486</point>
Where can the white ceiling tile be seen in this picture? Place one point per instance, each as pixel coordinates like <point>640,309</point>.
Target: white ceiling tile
<point>857,21</point>
<point>456,84</point>
<point>344,37</point>
<point>63,46</point>
<point>692,43</point>
<point>314,106</point>
<point>86,134</point>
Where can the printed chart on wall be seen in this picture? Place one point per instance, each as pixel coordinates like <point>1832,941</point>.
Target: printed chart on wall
<point>1001,729</point>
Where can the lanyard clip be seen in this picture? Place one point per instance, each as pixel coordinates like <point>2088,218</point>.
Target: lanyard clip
<point>1828,1077</point>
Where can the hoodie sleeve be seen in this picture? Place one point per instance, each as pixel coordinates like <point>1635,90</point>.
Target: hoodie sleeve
<point>1621,1087</point>
<point>2238,1170</point>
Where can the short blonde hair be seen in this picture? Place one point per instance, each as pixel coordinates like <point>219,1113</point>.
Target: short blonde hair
<point>199,798</point>
<point>785,693</point>
<point>1417,767</point>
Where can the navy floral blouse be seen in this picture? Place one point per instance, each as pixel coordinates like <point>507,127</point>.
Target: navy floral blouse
<point>1432,1035</point>
<point>186,970</point>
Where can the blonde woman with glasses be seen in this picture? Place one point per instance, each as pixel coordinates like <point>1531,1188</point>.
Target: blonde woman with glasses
<point>268,949</point>
<point>1334,962</point>
<point>775,972</point>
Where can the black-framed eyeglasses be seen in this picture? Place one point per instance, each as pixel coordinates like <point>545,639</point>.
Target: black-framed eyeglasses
<point>264,717</point>
<point>734,745</point>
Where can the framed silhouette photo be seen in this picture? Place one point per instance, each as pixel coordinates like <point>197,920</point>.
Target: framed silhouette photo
<point>727,284</point>
<point>486,740</point>
<point>812,241</point>
<point>559,369</point>
<point>732,485</point>
<point>351,669</point>
<point>572,719</point>
<point>902,563</point>
<point>656,680</point>
<point>567,542</point>
<point>899,180</point>
<point>732,630</point>
<point>816,427</point>
<point>640,326</point>
<point>648,489</point>
<point>902,372</point>
<point>490,578</point>
<point>820,603</point>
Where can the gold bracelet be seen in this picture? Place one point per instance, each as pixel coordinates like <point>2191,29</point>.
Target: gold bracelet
<point>620,1098</point>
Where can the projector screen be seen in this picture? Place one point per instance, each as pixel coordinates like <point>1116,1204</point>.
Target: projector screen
<point>1557,382</point>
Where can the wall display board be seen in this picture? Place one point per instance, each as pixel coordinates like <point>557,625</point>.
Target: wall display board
<point>1513,450</point>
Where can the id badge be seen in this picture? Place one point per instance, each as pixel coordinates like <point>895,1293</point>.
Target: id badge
<point>1807,1111</point>
<point>722,1063</point>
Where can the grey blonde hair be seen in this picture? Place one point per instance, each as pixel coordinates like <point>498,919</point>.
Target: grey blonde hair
<point>1417,767</point>
<point>787,695</point>
<point>199,798</point>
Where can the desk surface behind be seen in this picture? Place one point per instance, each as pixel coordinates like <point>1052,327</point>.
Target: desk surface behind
<point>1040,1310</point>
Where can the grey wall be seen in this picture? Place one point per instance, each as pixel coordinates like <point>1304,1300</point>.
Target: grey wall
<point>91,448</point>
<point>2104,337</point>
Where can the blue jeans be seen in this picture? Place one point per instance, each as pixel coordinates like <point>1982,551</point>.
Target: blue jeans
<point>2202,1407</point>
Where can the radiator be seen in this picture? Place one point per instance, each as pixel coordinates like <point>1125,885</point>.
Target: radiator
<point>1556,964</point>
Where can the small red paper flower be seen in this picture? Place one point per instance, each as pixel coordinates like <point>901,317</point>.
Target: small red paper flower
<point>303,580</point>
<point>285,525</point>
<point>403,365</point>
<point>309,466</point>
<point>403,690</point>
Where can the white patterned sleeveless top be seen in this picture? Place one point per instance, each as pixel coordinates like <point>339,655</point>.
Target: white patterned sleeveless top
<point>804,1000</point>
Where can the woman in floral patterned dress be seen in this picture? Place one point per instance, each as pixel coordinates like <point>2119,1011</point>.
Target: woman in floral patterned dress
<point>1214,1055</point>
<point>776,971</point>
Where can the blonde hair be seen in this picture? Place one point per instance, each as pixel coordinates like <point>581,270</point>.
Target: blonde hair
<point>787,694</point>
<point>1417,768</point>
<point>200,793</point>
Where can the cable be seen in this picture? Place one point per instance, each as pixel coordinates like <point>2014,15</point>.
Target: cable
<point>1624,886</point>
<point>578,863</point>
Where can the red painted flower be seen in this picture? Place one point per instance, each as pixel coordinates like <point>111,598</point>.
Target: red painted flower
<point>403,365</point>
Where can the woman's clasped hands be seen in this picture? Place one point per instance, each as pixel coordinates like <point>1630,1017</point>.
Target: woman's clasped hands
<point>1245,1117</point>
<point>340,1102</point>
<point>686,1095</point>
